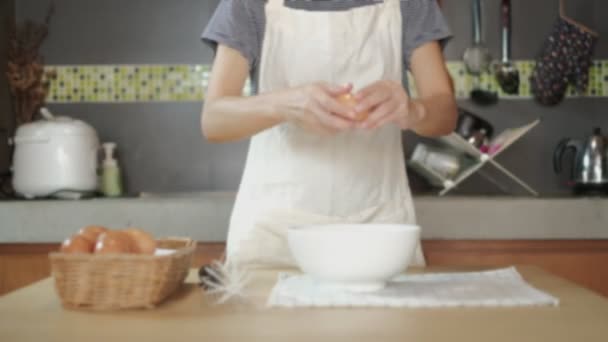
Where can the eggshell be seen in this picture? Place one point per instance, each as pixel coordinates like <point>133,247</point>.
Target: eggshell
<point>349,100</point>
<point>114,242</point>
<point>91,233</point>
<point>77,244</point>
<point>143,241</point>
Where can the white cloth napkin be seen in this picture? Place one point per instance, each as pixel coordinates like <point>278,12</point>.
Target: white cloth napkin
<point>498,288</point>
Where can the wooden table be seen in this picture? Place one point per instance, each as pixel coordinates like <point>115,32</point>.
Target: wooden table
<point>35,314</point>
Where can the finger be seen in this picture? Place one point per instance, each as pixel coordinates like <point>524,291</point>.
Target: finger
<point>337,90</point>
<point>331,120</point>
<point>313,125</point>
<point>386,109</point>
<point>331,105</point>
<point>335,121</point>
<point>373,100</point>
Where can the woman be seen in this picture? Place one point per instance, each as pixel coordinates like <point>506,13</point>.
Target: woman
<point>310,158</point>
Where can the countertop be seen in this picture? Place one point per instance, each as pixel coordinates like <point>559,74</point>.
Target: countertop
<point>35,314</point>
<point>205,216</point>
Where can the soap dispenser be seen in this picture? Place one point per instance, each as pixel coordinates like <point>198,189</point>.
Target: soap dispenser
<point>111,184</point>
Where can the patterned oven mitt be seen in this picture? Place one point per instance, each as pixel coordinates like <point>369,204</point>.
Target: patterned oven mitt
<point>564,59</point>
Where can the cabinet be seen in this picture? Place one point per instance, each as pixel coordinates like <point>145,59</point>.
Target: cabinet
<point>580,261</point>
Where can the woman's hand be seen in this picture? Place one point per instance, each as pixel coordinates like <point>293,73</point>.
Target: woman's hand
<point>315,108</point>
<point>229,116</point>
<point>432,114</point>
<point>387,102</point>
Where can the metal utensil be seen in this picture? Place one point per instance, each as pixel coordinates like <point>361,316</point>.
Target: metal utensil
<point>224,281</point>
<point>477,58</point>
<point>473,128</point>
<point>506,72</point>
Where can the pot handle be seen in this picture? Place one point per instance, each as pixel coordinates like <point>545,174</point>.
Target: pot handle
<point>505,11</point>
<point>46,114</point>
<point>476,9</point>
<point>562,147</point>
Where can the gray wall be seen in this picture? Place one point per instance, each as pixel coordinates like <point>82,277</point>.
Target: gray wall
<point>159,145</point>
<point>531,158</point>
<point>7,8</point>
<point>161,148</point>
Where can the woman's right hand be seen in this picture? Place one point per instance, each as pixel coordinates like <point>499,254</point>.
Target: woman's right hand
<point>230,116</point>
<point>314,107</point>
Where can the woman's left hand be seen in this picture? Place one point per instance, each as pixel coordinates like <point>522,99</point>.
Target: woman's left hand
<point>387,102</point>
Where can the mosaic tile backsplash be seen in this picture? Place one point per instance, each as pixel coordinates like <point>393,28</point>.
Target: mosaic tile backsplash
<point>149,83</point>
<point>126,83</point>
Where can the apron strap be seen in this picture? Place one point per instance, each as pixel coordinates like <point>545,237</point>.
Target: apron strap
<point>275,4</point>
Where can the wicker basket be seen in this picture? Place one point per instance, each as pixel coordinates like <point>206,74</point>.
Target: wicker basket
<point>111,282</point>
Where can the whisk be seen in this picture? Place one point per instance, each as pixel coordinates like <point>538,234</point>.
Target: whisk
<point>224,281</point>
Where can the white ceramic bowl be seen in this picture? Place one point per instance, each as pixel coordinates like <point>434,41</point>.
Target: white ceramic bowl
<point>357,257</point>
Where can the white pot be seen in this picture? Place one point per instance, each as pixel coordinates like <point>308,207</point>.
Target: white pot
<point>55,156</point>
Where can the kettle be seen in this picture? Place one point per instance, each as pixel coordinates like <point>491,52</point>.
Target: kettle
<point>590,169</point>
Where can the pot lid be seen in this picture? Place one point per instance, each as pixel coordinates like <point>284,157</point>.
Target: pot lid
<point>56,126</point>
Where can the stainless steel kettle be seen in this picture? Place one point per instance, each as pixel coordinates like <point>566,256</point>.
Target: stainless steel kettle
<point>590,169</point>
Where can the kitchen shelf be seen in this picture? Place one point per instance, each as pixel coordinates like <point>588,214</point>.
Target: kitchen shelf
<point>478,160</point>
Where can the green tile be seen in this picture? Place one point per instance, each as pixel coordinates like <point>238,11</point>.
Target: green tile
<point>165,82</point>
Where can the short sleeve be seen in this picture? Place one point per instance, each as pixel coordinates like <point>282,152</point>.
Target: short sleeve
<point>233,25</point>
<point>423,22</point>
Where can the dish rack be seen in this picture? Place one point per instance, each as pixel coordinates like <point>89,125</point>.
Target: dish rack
<point>475,160</point>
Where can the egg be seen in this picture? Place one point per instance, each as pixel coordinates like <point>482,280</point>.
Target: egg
<point>114,242</point>
<point>77,244</point>
<point>350,101</point>
<point>143,241</point>
<point>91,233</point>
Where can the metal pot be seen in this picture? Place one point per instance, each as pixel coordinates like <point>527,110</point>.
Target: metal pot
<point>474,129</point>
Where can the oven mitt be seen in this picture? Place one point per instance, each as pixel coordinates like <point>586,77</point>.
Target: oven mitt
<point>564,59</point>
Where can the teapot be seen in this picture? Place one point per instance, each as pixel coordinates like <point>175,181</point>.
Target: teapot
<point>589,171</point>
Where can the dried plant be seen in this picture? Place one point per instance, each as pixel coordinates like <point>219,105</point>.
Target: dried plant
<point>26,76</point>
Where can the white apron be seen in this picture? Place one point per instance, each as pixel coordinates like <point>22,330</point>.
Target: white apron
<point>293,176</point>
